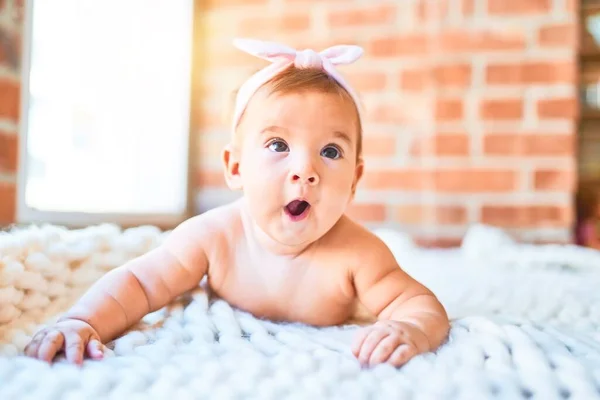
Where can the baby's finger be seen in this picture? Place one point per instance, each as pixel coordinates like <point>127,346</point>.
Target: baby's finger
<point>74,348</point>
<point>370,343</point>
<point>402,355</point>
<point>384,349</point>
<point>94,349</point>
<point>51,345</point>
<point>32,348</point>
<point>359,339</point>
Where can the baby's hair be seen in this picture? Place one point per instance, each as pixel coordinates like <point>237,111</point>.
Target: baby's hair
<point>295,80</point>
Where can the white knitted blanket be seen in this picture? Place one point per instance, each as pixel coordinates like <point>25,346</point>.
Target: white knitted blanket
<point>526,324</point>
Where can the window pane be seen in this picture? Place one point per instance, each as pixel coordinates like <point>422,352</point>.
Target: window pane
<point>108,111</point>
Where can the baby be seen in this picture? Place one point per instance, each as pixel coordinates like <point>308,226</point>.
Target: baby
<point>285,251</point>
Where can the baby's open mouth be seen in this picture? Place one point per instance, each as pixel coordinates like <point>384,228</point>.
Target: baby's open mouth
<point>297,209</point>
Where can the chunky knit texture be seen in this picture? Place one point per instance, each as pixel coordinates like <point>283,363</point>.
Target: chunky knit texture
<point>526,324</point>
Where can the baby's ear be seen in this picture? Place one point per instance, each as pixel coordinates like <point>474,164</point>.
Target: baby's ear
<point>358,173</point>
<point>231,164</point>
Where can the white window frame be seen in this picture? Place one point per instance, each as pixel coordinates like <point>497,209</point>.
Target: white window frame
<point>28,215</point>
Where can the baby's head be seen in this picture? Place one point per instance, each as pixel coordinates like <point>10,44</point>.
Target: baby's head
<point>296,148</point>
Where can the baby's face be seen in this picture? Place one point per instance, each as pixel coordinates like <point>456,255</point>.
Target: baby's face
<point>298,163</point>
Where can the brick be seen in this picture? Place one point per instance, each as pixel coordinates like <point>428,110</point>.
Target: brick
<point>216,4</point>
<point>441,76</point>
<point>514,144</point>
<point>415,79</point>
<point>562,180</point>
<point>5,47</point>
<point>396,179</point>
<point>526,216</point>
<point>450,215</point>
<point>410,214</point>
<point>311,2</point>
<point>321,42</point>
<point>367,81</point>
<point>9,99</point>
<point>208,120</point>
<point>540,72</point>
<point>463,41</point>
<point>8,152</point>
<point>10,47</point>
<point>448,109</point>
<point>379,146</point>
<point>411,94</point>
<point>274,25</point>
<point>438,242</point>
<point>210,178</point>
<point>396,46</point>
<point>367,212</point>
<point>415,214</point>
<point>445,144</point>
<point>519,7</point>
<point>467,7</point>
<point>495,109</point>
<point>384,114</point>
<point>8,201</point>
<point>371,15</point>
<point>558,108</point>
<point>432,11</point>
<point>230,57</point>
<point>558,35</point>
<point>19,11</point>
<point>475,180</point>
<point>458,75</point>
<point>407,111</point>
<point>210,149</point>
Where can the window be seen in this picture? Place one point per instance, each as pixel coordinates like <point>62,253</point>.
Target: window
<point>105,111</point>
<point>589,124</point>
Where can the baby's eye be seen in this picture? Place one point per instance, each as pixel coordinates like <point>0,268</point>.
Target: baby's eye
<point>278,146</point>
<point>331,152</point>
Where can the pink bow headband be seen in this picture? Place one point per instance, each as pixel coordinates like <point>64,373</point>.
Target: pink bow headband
<point>282,56</point>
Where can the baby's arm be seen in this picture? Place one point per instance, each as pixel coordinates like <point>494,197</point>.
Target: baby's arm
<point>411,319</point>
<point>145,284</point>
<point>123,296</point>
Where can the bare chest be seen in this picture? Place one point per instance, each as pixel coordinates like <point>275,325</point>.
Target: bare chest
<point>313,291</point>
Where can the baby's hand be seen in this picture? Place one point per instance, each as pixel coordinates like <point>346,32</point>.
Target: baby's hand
<point>388,341</point>
<point>74,337</point>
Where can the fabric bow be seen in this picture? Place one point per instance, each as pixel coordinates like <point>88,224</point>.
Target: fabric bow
<point>271,51</point>
<point>282,56</point>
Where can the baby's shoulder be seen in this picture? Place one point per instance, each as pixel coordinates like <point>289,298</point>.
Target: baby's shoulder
<point>361,245</point>
<point>208,230</point>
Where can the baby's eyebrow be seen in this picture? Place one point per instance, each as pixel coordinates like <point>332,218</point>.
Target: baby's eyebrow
<point>343,136</point>
<point>274,128</point>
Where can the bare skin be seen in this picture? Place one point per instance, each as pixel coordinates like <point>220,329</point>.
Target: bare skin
<point>320,270</point>
<point>315,287</point>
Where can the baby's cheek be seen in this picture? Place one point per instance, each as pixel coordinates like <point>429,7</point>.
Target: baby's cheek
<point>338,194</point>
<point>261,167</point>
<point>342,183</point>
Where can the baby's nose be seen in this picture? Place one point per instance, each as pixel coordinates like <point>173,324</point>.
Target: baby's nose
<point>304,173</point>
<point>303,169</point>
<point>309,179</point>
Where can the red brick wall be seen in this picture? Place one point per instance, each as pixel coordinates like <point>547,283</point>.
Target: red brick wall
<point>10,33</point>
<point>471,106</point>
